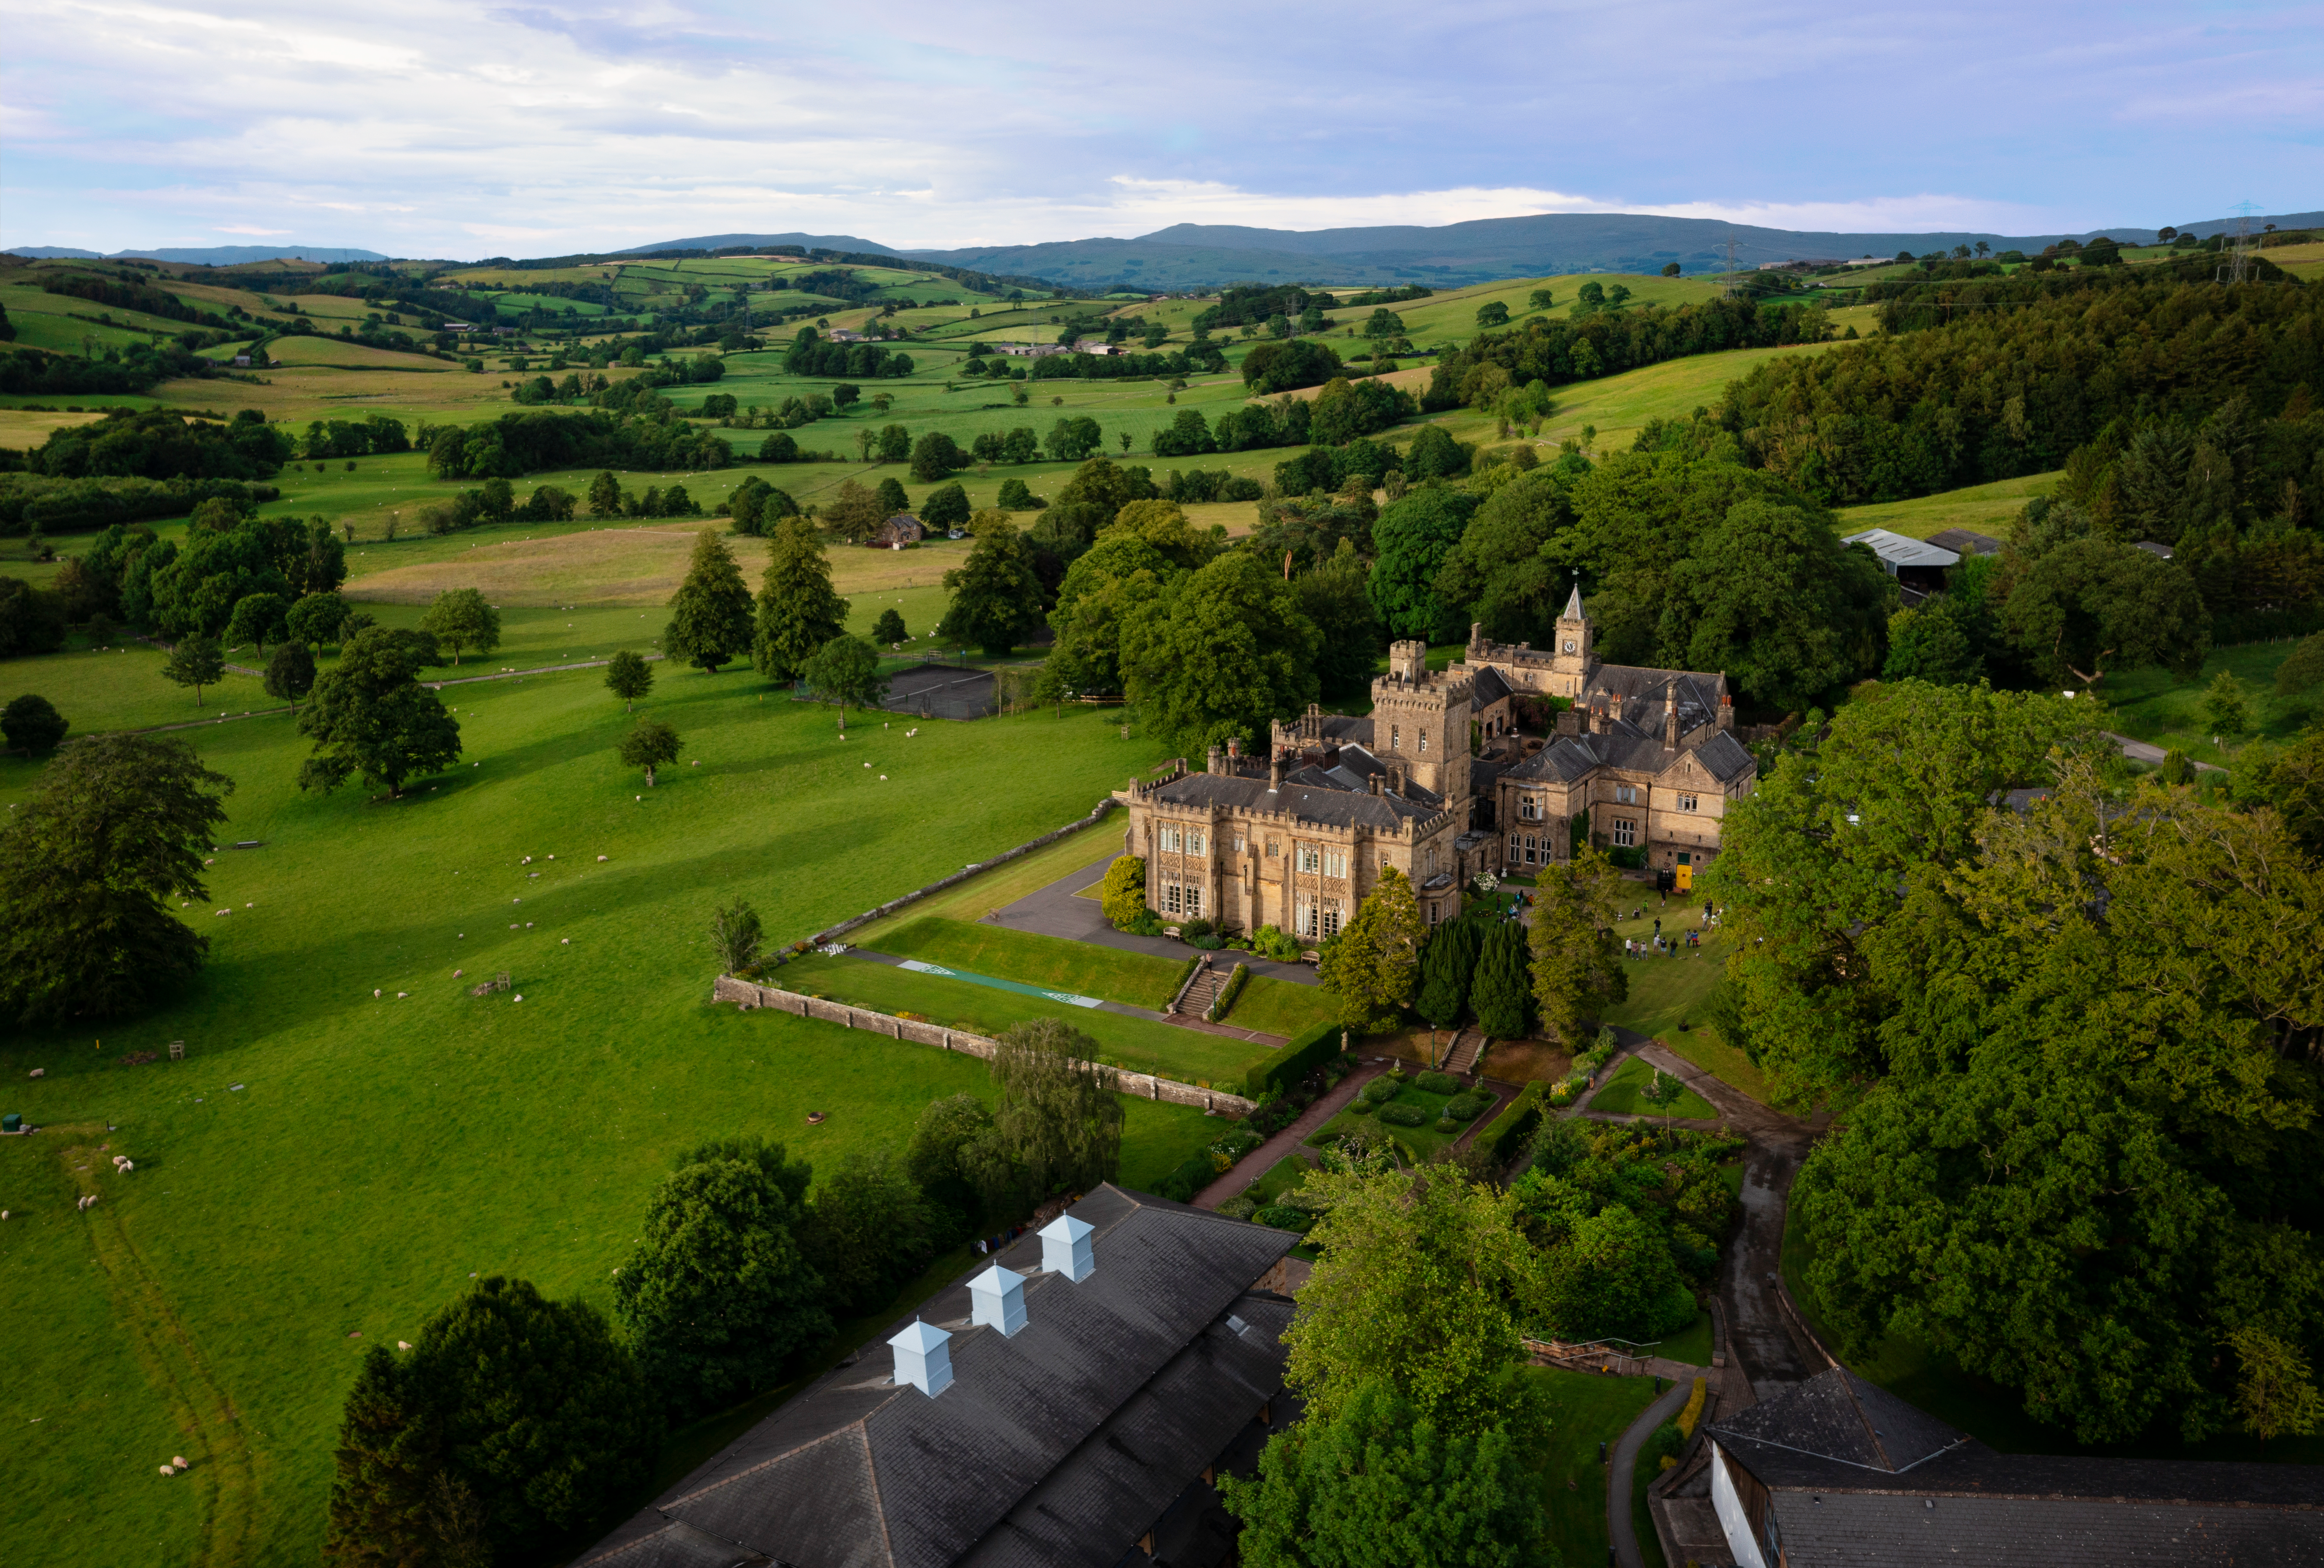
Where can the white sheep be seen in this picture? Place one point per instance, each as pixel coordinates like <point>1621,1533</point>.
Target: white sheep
<point>179,1461</point>
<point>169,1470</point>
<point>127,1166</point>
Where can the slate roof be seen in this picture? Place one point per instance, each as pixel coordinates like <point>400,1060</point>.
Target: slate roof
<point>1858,1476</point>
<point>1837,1416</point>
<point>1626,746</point>
<point>1966,541</point>
<point>1486,687</point>
<point>1317,799</point>
<point>1051,1448</point>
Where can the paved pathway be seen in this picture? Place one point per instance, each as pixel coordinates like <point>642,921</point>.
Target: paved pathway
<point>1123,1009</point>
<point>2146,751</point>
<point>1620,1527</point>
<point>1760,1337</point>
<point>1287,1142</point>
<point>1058,910</point>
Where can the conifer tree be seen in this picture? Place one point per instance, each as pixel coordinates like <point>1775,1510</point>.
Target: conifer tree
<point>1446,964</point>
<point>1498,993</point>
<point>710,618</point>
<point>798,612</point>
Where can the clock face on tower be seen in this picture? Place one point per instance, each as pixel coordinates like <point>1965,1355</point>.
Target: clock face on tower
<point>1569,645</point>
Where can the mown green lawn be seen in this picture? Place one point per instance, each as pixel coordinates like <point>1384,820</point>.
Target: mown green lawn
<point>1624,1094</point>
<point>391,1134</point>
<point>1280,1007</point>
<point>1140,979</point>
<point>2152,705</point>
<point>1138,1045</point>
<point>1583,1409</point>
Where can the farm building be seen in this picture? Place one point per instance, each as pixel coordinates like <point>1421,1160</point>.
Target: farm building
<point>1965,541</point>
<point>1067,1405</point>
<point>1918,565</point>
<point>897,531</point>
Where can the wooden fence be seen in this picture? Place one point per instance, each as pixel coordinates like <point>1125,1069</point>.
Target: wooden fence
<point>1147,1086</point>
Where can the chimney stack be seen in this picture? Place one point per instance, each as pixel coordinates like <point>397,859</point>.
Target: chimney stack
<point>1726,712</point>
<point>1670,723</point>
<point>1274,772</point>
<point>1065,1248</point>
<point>924,1358</point>
<point>1215,761</point>
<point>998,1298</point>
<point>1376,778</point>
<point>1234,747</point>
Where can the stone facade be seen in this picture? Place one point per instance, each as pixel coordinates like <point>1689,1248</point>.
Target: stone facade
<point>1643,759</point>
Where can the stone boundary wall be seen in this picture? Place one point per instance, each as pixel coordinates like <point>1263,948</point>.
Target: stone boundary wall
<point>1146,1085</point>
<point>958,877</point>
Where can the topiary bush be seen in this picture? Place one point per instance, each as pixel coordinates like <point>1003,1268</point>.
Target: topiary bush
<point>1361,1106</point>
<point>1240,1207</point>
<point>1282,1217</point>
<point>1379,1091</point>
<point>1468,1105</point>
<point>1446,1124</point>
<point>1123,896</point>
<point>1438,1082</point>
<point>1404,1115</point>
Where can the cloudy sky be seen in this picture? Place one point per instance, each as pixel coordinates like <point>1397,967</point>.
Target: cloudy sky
<point>440,130</point>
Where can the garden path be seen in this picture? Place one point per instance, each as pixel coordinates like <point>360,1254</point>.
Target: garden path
<point>1620,1528</point>
<point>1287,1142</point>
<point>1058,911</point>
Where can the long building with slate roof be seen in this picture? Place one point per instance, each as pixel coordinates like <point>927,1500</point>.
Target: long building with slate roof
<point>1438,782</point>
<point>1092,1430</point>
<point>1839,1470</point>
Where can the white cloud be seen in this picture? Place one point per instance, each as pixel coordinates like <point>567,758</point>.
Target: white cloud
<point>251,229</point>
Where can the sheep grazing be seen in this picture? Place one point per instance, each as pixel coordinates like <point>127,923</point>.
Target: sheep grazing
<point>127,1166</point>
<point>169,1470</point>
<point>179,1461</point>
<point>601,860</point>
<point>403,1344</point>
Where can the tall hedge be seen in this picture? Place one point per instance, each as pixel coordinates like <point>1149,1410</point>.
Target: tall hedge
<point>1508,1133</point>
<point>1305,1053</point>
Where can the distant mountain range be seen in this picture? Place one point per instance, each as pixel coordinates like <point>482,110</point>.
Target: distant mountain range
<point>1202,255</point>
<point>206,256</point>
<point>720,242</point>
<point>1207,255</point>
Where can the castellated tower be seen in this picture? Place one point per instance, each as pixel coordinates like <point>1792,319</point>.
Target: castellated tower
<point>1421,720</point>
<point>1573,657</point>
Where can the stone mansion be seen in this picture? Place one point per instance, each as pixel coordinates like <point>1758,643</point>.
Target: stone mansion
<point>1438,782</point>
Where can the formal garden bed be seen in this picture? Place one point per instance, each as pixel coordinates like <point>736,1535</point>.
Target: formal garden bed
<point>1625,1093</point>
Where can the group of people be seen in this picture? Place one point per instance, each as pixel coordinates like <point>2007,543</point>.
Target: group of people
<point>1659,944</point>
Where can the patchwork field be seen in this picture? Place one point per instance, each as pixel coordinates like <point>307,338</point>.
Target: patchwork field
<point>1986,509</point>
<point>352,1135</point>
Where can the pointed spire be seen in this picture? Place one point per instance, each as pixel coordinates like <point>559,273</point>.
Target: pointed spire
<point>1573,605</point>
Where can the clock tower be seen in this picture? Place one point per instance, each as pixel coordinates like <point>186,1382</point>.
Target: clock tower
<point>1572,656</point>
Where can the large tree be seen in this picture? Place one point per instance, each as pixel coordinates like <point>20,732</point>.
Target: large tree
<point>710,617</point>
<point>2091,606</point>
<point>1099,591</point>
<point>290,673</point>
<point>1223,653</point>
<point>1331,595</point>
<point>1812,862</point>
<point>30,723</point>
<point>996,599</point>
<point>195,661</point>
<point>1768,594</point>
<point>1422,1282</point>
<point>461,618</point>
<point>1504,569</point>
<point>1371,966</point>
<point>1380,1484</point>
<point>717,1295</point>
<point>371,719</point>
<point>650,745</point>
<point>2082,1039</point>
<point>628,677</point>
<point>798,610</point>
<point>846,670</point>
<point>510,1430</point>
<point>114,829</point>
<point>1059,1117</point>
<point>867,1233</point>
<point>1446,964</point>
<point>1577,968</point>
<point>1413,536</point>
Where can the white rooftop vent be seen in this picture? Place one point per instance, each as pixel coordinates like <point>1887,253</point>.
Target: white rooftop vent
<point>1065,1248</point>
<point>999,1298</point>
<point>924,1358</point>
